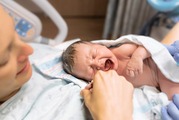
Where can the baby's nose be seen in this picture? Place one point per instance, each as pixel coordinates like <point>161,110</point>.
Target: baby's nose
<point>99,65</point>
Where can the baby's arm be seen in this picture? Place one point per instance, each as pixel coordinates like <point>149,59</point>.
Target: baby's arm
<point>135,55</point>
<point>135,64</point>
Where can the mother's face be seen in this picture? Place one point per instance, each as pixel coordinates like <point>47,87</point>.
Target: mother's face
<point>15,68</point>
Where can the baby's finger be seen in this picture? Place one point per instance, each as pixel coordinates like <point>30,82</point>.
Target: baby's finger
<point>86,95</point>
<point>128,72</point>
<point>136,72</point>
<point>131,73</point>
<point>89,86</point>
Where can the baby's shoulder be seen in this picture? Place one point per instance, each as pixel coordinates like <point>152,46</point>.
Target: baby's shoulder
<point>126,47</point>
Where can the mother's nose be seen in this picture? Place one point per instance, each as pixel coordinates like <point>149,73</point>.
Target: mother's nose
<point>24,51</point>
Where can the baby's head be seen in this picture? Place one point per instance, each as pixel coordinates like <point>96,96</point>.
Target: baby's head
<point>82,59</point>
<point>69,54</point>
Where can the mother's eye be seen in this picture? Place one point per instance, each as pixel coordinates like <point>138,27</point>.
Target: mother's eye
<point>4,61</point>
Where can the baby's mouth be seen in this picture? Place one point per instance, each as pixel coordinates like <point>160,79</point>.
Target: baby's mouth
<point>108,64</point>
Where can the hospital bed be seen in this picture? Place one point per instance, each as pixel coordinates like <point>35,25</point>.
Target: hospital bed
<point>29,26</point>
<point>33,34</point>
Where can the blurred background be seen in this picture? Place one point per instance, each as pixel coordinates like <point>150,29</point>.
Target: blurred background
<point>99,19</point>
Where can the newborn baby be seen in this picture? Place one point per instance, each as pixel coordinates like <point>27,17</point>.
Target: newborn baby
<point>82,59</point>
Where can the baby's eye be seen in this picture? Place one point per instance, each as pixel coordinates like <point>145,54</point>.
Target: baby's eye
<point>94,53</point>
<point>93,56</point>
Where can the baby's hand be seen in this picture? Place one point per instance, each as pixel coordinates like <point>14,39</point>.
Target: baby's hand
<point>134,67</point>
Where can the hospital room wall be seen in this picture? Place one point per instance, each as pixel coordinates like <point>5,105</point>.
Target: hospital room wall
<point>85,18</point>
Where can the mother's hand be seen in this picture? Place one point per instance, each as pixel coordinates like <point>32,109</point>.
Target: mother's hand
<point>109,97</point>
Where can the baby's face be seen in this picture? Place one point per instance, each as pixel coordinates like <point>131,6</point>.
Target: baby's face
<point>92,57</point>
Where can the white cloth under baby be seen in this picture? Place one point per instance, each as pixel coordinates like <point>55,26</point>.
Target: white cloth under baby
<point>147,103</point>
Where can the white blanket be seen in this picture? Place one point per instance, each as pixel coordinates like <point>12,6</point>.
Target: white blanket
<point>147,100</point>
<point>159,53</point>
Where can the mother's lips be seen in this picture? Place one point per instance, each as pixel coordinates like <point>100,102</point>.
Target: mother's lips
<point>24,68</point>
